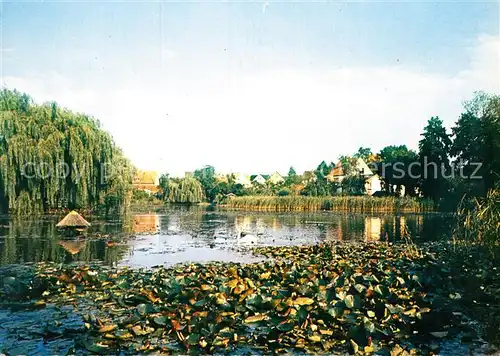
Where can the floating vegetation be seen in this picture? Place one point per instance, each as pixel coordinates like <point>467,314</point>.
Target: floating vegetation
<point>363,204</point>
<point>314,299</point>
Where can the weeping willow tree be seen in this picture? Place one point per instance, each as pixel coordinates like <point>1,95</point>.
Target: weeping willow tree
<point>52,158</point>
<point>187,190</point>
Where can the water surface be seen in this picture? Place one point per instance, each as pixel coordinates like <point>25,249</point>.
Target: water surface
<point>197,234</point>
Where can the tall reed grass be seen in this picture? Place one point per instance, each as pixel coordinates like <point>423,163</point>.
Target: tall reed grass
<point>361,204</point>
<point>480,224</point>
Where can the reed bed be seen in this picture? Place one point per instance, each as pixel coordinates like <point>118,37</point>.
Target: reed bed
<point>359,204</point>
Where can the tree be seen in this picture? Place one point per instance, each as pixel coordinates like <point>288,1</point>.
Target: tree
<point>292,178</point>
<point>353,185</point>
<point>434,148</point>
<point>53,158</point>
<point>477,142</point>
<point>185,190</point>
<point>206,176</point>
<point>163,183</point>
<point>364,153</point>
<point>398,167</point>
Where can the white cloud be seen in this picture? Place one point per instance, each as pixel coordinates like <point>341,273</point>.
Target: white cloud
<point>275,118</point>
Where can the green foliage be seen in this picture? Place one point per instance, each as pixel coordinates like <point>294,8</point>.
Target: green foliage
<point>353,185</point>
<point>397,167</point>
<point>163,183</point>
<point>292,177</point>
<point>186,190</point>
<point>284,192</point>
<point>434,149</point>
<point>477,140</point>
<point>52,158</point>
<point>363,153</point>
<point>206,177</point>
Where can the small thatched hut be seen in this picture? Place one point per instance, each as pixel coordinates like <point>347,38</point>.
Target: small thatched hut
<point>73,220</point>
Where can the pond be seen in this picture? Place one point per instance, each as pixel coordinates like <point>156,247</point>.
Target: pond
<point>200,234</point>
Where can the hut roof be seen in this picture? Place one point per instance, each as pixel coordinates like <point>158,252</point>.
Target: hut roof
<point>73,247</point>
<point>73,219</point>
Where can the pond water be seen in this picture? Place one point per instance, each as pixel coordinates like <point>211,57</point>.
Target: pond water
<point>198,234</point>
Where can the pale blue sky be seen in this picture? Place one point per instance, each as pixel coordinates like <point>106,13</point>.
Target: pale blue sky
<point>253,86</point>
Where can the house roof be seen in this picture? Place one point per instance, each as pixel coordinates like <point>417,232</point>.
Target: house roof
<point>338,170</point>
<point>265,176</point>
<point>146,177</point>
<point>361,167</point>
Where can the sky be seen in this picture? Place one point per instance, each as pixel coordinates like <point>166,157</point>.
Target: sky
<point>253,86</point>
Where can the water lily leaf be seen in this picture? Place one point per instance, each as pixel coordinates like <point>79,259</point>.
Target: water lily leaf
<point>124,335</point>
<point>368,350</point>
<point>255,318</point>
<point>326,332</point>
<point>336,312</point>
<point>176,325</point>
<point>232,283</point>
<point>355,346</point>
<point>138,331</point>
<point>285,327</point>
<point>96,347</point>
<point>142,309</point>
<point>107,328</point>
<point>369,325</point>
<point>160,320</point>
<point>352,301</point>
<point>360,288</point>
<point>303,301</point>
<point>439,334</point>
<point>200,303</point>
<point>315,338</point>
<point>193,339</point>
<point>382,290</point>
<point>265,275</point>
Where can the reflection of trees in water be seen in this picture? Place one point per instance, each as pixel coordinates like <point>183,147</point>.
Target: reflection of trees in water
<point>30,240</point>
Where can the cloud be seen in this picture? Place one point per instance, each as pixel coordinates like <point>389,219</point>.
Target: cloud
<point>273,118</point>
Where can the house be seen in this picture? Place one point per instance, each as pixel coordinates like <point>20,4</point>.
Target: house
<point>243,179</point>
<point>259,178</point>
<point>308,177</point>
<point>147,181</point>
<point>373,183</point>
<point>337,174</point>
<point>297,188</point>
<point>276,178</point>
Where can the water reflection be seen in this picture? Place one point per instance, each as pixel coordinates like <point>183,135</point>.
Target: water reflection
<point>149,223</point>
<point>195,234</point>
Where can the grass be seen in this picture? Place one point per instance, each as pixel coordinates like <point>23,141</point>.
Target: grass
<point>360,204</point>
<point>480,224</point>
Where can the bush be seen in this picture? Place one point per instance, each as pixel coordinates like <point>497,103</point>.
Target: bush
<point>284,192</point>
